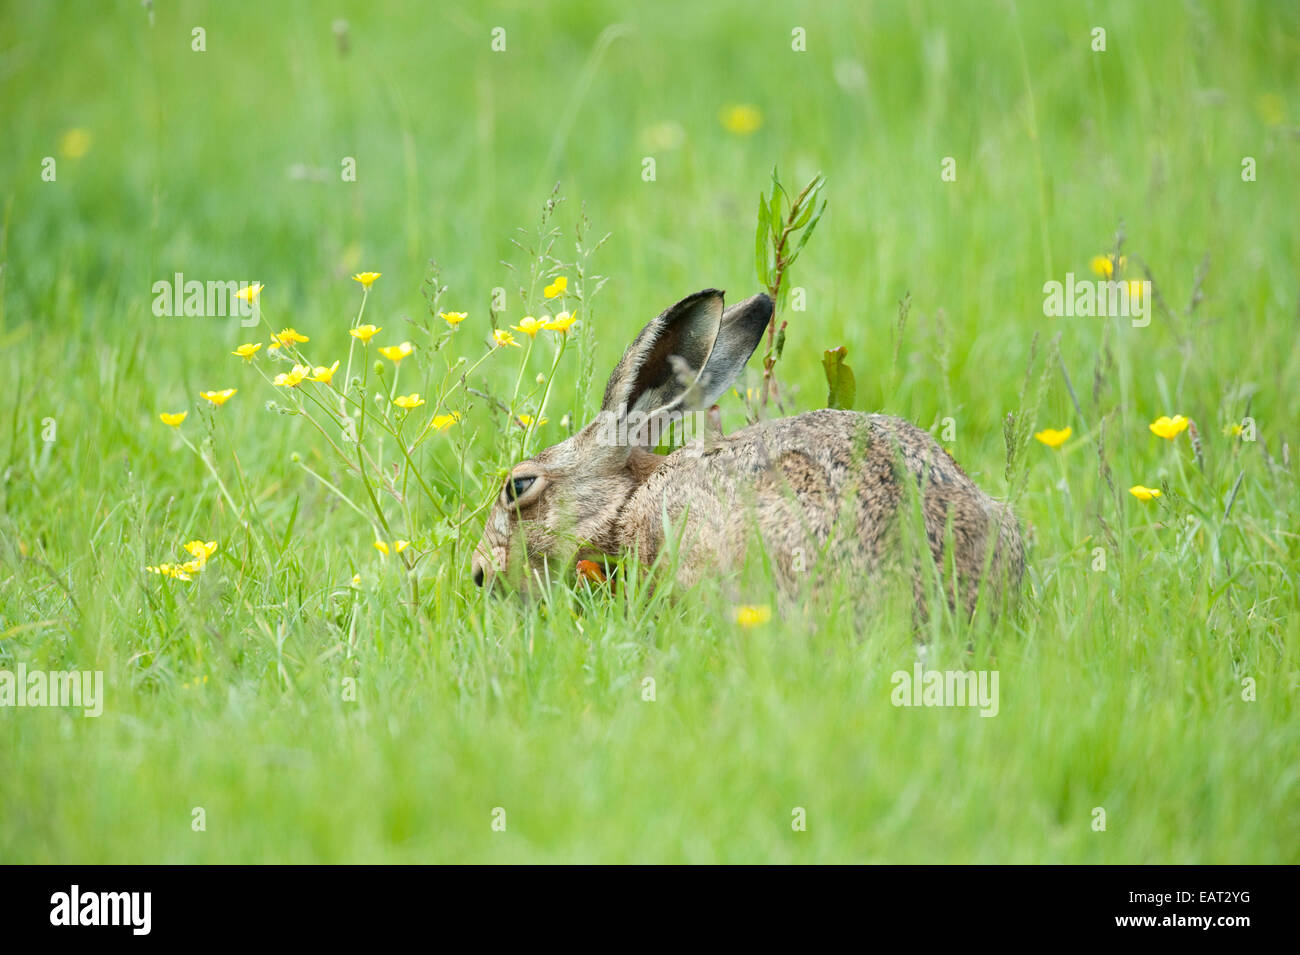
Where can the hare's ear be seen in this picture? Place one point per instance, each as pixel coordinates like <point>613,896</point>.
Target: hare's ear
<point>739,333</point>
<point>664,362</point>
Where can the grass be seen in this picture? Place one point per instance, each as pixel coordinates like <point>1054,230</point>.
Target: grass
<point>1121,688</point>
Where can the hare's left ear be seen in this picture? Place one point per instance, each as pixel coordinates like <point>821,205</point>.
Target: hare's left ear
<point>665,360</point>
<point>687,356</point>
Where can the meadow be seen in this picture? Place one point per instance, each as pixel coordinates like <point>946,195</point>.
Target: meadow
<point>305,697</point>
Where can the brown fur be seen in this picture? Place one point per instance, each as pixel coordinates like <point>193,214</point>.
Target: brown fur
<point>825,489</point>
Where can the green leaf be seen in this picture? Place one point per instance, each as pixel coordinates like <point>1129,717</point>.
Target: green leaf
<point>812,224</point>
<point>288,531</point>
<point>760,243</point>
<point>842,386</point>
<point>774,220</point>
<point>805,211</point>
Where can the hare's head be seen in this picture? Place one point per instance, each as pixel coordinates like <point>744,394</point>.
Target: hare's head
<point>563,504</point>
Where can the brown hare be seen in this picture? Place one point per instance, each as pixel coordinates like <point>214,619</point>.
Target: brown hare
<point>826,487</point>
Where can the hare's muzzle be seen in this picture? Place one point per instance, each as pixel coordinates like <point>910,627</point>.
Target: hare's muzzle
<point>480,568</point>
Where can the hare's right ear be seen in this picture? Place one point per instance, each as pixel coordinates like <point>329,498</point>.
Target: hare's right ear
<point>739,333</point>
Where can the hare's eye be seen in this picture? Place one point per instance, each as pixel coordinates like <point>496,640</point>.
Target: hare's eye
<point>518,486</point>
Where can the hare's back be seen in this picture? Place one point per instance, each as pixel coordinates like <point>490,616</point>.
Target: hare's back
<point>823,478</point>
<point>846,445</point>
<point>818,455</point>
<point>831,472</point>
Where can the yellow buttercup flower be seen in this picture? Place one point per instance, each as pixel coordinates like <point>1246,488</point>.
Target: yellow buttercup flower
<point>365,332</point>
<point>174,571</point>
<point>561,322</point>
<point>1135,289</point>
<point>366,279</point>
<point>444,421</point>
<point>409,402</point>
<point>324,375</point>
<point>453,318</point>
<point>1144,493</point>
<point>751,615</point>
<point>743,119</point>
<point>1233,430</point>
<point>1106,265</point>
<point>247,350</point>
<point>557,287</point>
<point>172,418</point>
<point>1054,438</point>
<point>503,338</point>
<point>201,550</point>
<point>249,293</point>
<point>1168,428</point>
<point>398,547</point>
<point>356,580</point>
<point>526,420</point>
<point>396,353</point>
<point>75,143</point>
<point>292,379</point>
<point>287,336</point>
<point>219,398</point>
<point>530,326</point>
